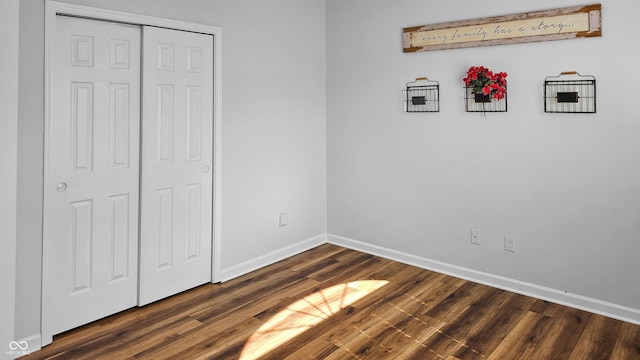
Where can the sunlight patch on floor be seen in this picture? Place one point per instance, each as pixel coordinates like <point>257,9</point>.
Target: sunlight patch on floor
<point>304,314</point>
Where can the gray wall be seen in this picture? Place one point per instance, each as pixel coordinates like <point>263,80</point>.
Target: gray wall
<point>273,128</point>
<point>312,106</point>
<point>565,185</point>
<point>30,168</point>
<point>8,164</point>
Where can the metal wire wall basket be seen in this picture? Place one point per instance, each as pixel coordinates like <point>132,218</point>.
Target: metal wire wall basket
<point>570,92</point>
<point>422,95</point>
<point>483,103</point>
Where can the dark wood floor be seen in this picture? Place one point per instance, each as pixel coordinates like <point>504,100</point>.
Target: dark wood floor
<point>335,303</point>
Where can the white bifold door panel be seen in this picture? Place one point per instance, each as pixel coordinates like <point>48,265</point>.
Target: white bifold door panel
<point>177,162</point>
<point>91,192</point>
<point>128,169</point>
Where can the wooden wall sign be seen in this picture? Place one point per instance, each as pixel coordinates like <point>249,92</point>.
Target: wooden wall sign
<point>558,24</point>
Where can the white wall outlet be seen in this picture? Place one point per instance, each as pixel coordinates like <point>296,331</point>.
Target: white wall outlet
<point>510,243</point>
<point>475,236</point>
<point>282,219</point>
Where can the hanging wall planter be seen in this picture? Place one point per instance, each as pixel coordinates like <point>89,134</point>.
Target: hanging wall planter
<point>570,92</point>
<point>422,95</point>
<point>485,91</point>
<point>483,103</point>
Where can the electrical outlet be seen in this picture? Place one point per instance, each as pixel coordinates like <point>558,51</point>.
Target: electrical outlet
<point>475,236</point>
<point>282,219</point>
<point>510,243</point>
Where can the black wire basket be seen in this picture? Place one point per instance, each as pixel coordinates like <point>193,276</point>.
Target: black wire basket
<point>483,103</point>
<point>570,92</point>
<point>422,95</point>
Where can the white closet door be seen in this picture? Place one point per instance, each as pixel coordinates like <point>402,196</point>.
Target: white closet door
<point>177,159</point>
<point>92,174</point>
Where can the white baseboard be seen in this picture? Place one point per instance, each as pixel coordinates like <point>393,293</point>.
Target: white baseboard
<point>33,344</point>
<point>592,305</point>
<point>272,257</point>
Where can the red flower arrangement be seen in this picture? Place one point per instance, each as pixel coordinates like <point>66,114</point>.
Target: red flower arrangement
<point>483,80</point>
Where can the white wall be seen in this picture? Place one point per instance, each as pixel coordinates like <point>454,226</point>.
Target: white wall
<point>565,185</point>
<point>273,128</point>
<point>8,163</point>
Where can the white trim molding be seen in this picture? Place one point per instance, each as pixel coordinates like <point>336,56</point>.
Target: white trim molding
<point>592,305</point>
<point>272,257</point>
<point>54,8</point>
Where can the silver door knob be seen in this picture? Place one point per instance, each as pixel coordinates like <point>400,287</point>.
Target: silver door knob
<point>205,169</point>
<point>61,187</point>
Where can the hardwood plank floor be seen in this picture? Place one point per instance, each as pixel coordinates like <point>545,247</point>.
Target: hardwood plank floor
<point>336,303</point>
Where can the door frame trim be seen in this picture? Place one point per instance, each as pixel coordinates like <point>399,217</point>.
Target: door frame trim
<point>54,8</point>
